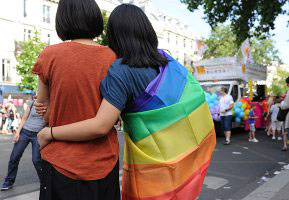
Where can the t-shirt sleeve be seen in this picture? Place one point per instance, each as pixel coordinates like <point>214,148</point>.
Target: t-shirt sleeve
<point>115,89</point>
<point>272,108</point>
<point>41,66</point>
<point>231,100</point>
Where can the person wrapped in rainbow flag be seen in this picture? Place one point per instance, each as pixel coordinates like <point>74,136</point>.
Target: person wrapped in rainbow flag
<point>168,129</point>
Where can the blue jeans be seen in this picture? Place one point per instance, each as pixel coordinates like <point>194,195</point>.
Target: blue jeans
<point>226,122</point>
<point>25,138</point>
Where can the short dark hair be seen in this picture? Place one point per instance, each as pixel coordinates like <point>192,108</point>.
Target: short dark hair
<point>287,80</point>
<point>132,37</point>
<point>225,90</point>
<point>78,19</point>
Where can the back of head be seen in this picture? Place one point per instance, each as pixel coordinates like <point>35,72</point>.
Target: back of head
<point>78,19</point>
<point>132,37</point>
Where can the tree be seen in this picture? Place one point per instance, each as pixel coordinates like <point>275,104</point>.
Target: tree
<point>26,57</point>
<point>222,43</point>
<point>248,17</point>
<point>279,85</point>
<point>103,39</point>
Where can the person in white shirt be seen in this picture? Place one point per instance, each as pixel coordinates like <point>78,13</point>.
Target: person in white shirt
<point>226,105</point>
<point>275,124</point>
<point>285,106</point>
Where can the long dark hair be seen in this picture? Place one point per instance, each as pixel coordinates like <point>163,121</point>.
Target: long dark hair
<point>132,37</point>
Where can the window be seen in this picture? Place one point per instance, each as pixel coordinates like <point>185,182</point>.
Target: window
<point>185,59</point>
<point>6,70</point>
<point>27,34</point>
<point>48,39</point>
<point>235,92</point>
<point>46,14</point>
<point>24,8</point>
<point>184,42</point>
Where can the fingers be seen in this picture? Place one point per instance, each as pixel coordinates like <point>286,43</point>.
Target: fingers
<point>40,109</point>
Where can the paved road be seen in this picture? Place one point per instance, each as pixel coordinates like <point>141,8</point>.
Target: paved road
<point>236,170</point>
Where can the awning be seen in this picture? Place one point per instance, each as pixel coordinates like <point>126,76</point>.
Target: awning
<point>13,89</point>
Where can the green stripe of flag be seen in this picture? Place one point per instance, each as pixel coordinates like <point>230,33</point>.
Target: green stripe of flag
<point>146,123</point>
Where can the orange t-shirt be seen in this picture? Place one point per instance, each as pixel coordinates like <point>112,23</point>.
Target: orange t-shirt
<point>73,71</point>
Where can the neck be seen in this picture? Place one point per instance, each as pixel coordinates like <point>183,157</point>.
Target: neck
<point>85,41</point>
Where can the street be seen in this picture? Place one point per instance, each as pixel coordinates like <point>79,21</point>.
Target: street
<point>236,170</point>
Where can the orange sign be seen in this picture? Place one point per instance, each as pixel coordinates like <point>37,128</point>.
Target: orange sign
<point>201,69</point>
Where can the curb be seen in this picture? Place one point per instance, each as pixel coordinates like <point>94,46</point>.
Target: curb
<point>269,189</point>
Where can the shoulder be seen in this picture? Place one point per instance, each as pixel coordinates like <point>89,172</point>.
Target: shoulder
<point>229,97</point>
<point>117,68</point>
<point>108,51</point>
<point>52,51</point>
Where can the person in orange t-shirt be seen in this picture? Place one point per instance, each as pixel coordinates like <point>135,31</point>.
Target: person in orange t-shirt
<point>69,77</point>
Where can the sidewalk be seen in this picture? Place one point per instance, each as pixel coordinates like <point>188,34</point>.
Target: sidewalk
<point>28,196</point>
<point>276,188</point>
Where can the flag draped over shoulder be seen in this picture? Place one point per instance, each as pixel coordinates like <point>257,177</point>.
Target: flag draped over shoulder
<point>169,138</point>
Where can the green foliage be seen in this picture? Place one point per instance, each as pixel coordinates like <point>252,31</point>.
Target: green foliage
<point>103,39</point>
<point>248,17</point>
<point>222,43</point>
<point>279,85</point>
<point>29,51</point>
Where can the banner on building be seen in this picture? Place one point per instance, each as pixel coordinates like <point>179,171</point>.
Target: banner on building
<point>201,47</point>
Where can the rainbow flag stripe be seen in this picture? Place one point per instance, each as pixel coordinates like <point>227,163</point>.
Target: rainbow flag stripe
<point>169,138</point>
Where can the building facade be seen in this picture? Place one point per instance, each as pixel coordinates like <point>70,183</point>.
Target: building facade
<point>20,18</point>
<point>18,21</point>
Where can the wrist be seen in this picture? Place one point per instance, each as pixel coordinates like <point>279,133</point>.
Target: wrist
<point>47,134</point>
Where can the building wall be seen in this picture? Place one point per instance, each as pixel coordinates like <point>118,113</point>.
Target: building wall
<point>19,19</point>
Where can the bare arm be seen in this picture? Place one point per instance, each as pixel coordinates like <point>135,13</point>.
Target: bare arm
<point>24,119</point>
<point>85,130</point>
<point>286,102</point>
<point>43,97</point>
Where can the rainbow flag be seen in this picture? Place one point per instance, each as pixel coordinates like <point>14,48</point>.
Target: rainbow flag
<point>169,138</point>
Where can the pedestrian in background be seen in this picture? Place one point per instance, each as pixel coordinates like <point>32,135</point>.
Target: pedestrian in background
<point>11,115</point>
<point>285,106</point>
<point>275,124</point>
<point>251,121</point>
<point>30,125</point>
<point>226,105</point>
<point>271,101</point>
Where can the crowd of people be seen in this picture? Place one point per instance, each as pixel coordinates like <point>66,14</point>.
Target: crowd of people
<point>275,116</point>
<point>9,118</point>
<point>277,128</point>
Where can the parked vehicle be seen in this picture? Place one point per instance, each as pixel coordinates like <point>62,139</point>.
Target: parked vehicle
<point>229,72</point>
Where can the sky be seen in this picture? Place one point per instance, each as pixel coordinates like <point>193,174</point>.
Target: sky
<point>201,29</point>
